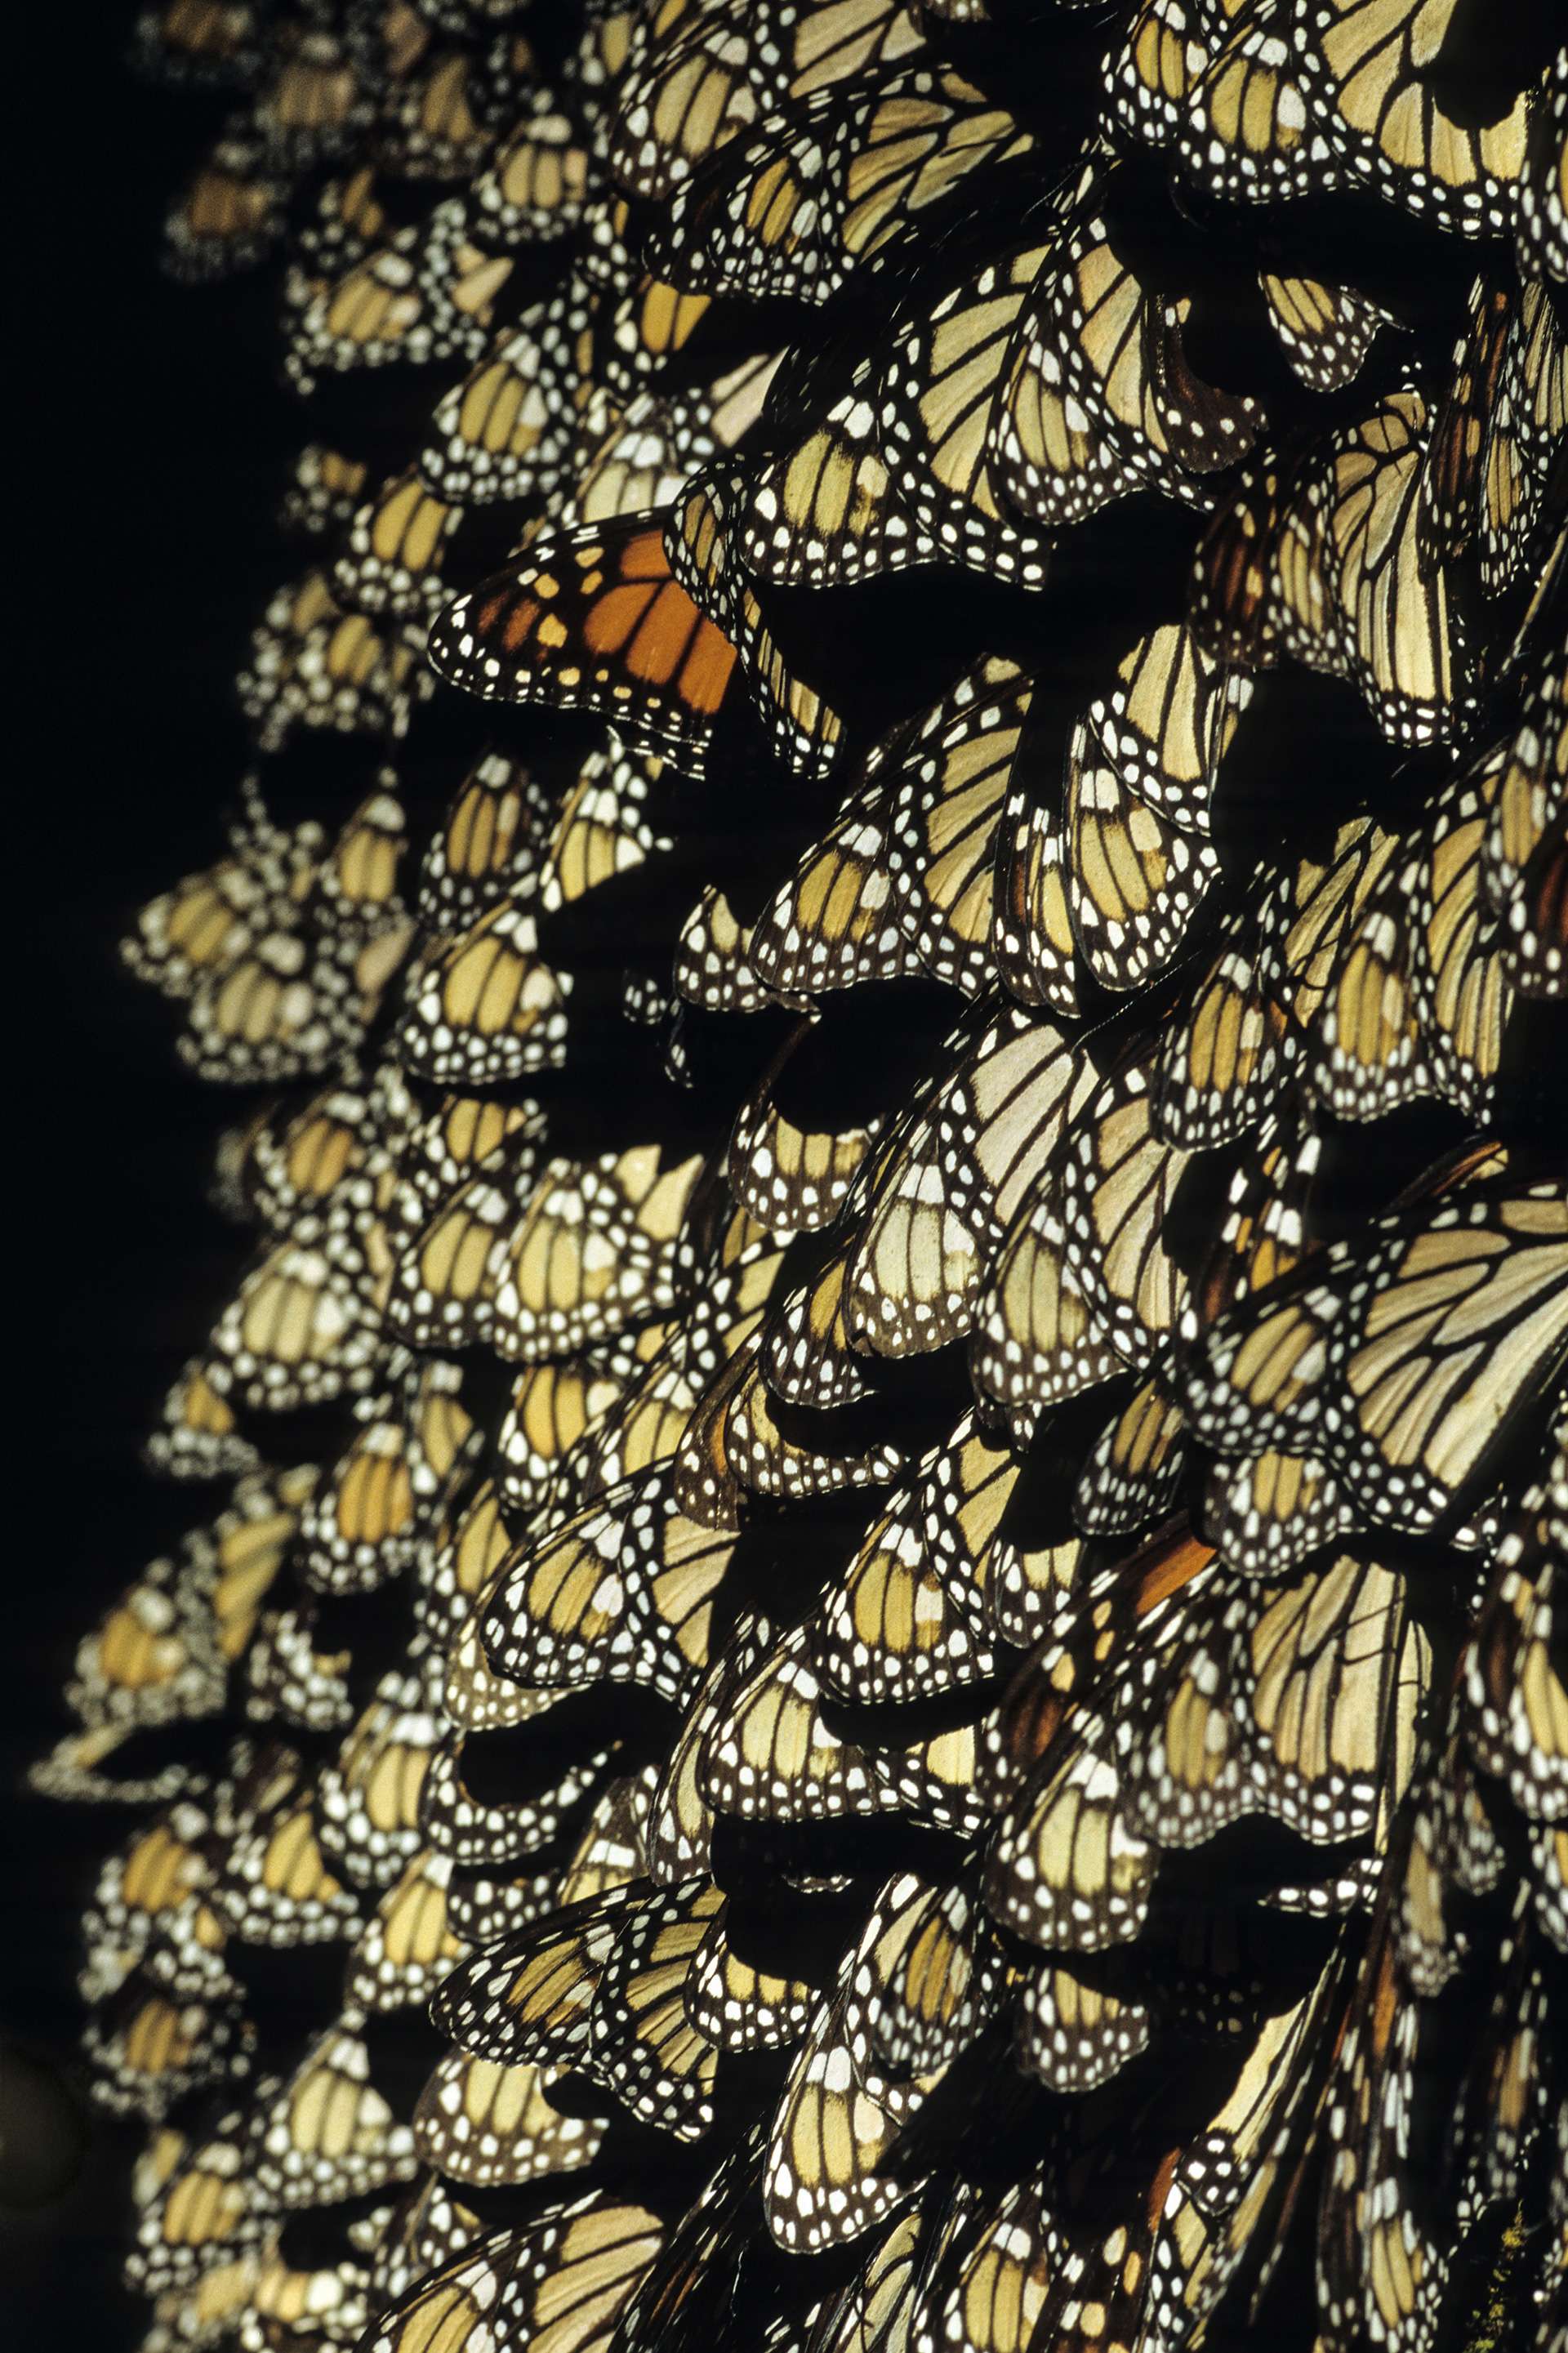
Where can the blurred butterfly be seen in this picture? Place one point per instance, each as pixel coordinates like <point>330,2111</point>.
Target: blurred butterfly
<point>535,185</point>
<point>199,41</point>
<point>311,664</point>
<point>202,2213</point>
<point>367,1802</point>
<point>407,1947</point>
<point>328,2132</point>
<point>427,292</point>
<point>273,1886</point>
<point>147,2049</point>
<point>231,213</point>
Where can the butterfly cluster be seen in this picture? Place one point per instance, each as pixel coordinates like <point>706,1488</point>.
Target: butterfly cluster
<point>912,1181</point>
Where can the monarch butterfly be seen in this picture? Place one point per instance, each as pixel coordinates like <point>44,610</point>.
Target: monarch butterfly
<point>680,1821</point>
<point>201,2213</point>
<point>946,784</point>
<point>613,1848</point>
<point>439,121</point>
<point>1304,1705</point>
<point>407,1947</point>
<point>1325,330</point>
<point>363,1523</point>
<point>659,440</point>
<point>760,1452</point>
<point>473,1695</point>
<point>771,1756</point>
<point>485,1006</point>
<point>572,2269</point>
<point>1133,1475</point>
<point>427,292</point>
<point>206,922</point>
<point>325,489</point>
<point>324,1159</point>
<point>273,1886</point>
<point>150,1910</point>
<point>788,1178</point>
<point>597,623</point>
<point>1522,856</point>
<point>491,838</point>
<point>738,2007</point>
<point>600,1244</point>
<point>166,1648</point>
<point>895,1628</point>
<point>304,1325</point>
<point>490,2125</point>
<point>427,2228</point>
<point>1225,1060</point>
<point>689,84</point>
<point>396,542</point>
<point>347,221</point>
<point>604,828</point>
<point>531,1996</point>
<point>312,100</point>
<point>1540,197</point>
<point>1322,1358</point>
<point>935,406</point>
<point>1327,558</point>
<point>924,1978</point>
<point>314,665</point>
<point>539,177</point>
<point>148,2050</point>
<point>367,1803</point>
<point>1097,398</point>
<point>938,1207</point>
<point>712,960</point>
<point>199,40</point>
<point>290,1681</point>
<point>232,212</point>
<point>523,420</point>
<point>1513,1692</point>
<point>1246,133</point>
<point>989,2284</point>
<point>328,2132</point>
<point>1496,434</point>
<point>1365,77</point>
<point>642,2045</point>
<point>835,922</point>
<point>555,1406</point>
<point>819,188</point>
<point>476,1835</point>
<point>623,1593</point>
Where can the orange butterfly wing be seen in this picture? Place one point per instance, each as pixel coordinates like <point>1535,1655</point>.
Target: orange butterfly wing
<point>595,621</point>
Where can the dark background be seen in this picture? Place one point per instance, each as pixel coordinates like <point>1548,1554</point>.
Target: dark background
<point>143,464</point>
